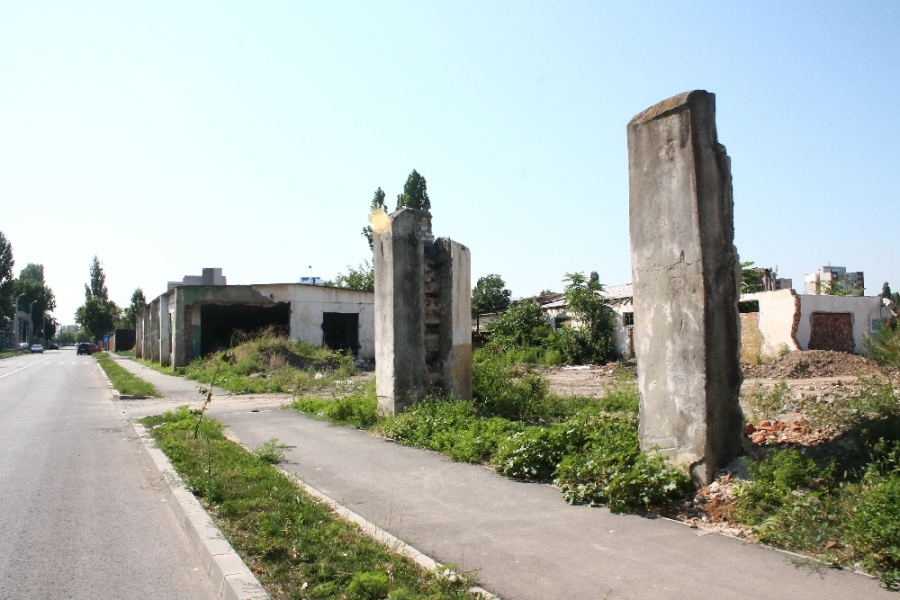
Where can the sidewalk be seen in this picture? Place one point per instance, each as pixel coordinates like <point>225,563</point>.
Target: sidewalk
<point>523,540</point>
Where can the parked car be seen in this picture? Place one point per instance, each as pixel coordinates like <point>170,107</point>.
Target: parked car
<point>84,348</point>
<point>37,348</point>
<point>53,346</point>
<point>23,346</point>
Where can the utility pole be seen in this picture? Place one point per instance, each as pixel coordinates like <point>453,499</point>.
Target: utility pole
<point>16,321</point>
<point>30,325</point>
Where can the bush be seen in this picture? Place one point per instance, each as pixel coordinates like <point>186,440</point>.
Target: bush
<point>358,410</point>
<point>532,454</point>
<point>271,452</point>
<point>522,326</point>
<point>873,528</point>
<point>496,392</point>
<point>773,480</point>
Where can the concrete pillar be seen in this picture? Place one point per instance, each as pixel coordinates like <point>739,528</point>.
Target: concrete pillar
<point>165,331</point>
<point>139,333</point>
<point>146,351</point>
<point>686,277</point>
<point>180,356</point>
<point>423,341</point>
<point>154,330</point>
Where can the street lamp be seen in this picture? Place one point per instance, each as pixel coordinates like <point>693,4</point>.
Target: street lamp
<point>30,325</point>
<point>16,321</point>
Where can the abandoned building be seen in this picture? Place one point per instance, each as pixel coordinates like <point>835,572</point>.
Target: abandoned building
<point>815,283</point>
<point>190,321</point>
<point>619,298</point>
<point>774,323</point>
<point>210,276</point>
<point>767,280</point>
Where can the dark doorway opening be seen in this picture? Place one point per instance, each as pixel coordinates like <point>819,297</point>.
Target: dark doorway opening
<point>340,331</point>
<point>219,322</point>
<point>831,331</point>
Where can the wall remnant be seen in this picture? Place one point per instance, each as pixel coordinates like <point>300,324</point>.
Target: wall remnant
<point>686,277</point>
<point>831,331</point>
<point>423,339</point>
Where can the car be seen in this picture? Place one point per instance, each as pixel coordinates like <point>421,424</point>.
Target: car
<point>37,348</point>
<point>53,346</point>
<point>84,348</point>
<point>23,346</point>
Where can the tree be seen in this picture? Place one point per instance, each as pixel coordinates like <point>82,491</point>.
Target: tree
<point>362,278</point>
<point>138,301</point>
<point>377,202</point>
<point>886,290</point>
<point>751,281</point>
<point>6,279</point>
<point>523,325</point>
<point>589,340</point>
<point>98,315</point>
<point>490,295</point>
<point>415,193</point>
<point>841,287</point>
<point>33,272</point>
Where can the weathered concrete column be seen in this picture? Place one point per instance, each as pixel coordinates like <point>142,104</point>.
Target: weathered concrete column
<point>139,333</point>
<point>423,340</point>
<point>146,351</point>
<point>154,330</point>
<point>686,277</point>
<point>165,333</point>
<point>180,356</point>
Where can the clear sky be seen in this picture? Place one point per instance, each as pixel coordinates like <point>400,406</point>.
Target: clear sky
<point>169,136</point>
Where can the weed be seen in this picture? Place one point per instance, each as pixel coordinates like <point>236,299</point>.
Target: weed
<point>358,410</point>
<point>123,380</point>
<point>764,403</point>
<point>294,544</point>
<point>271,452</point>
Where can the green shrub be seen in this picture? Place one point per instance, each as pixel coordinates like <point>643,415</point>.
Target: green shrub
<point>523,325</point>
<point>358,410</point>
<point>774,480</point>
<point>873,528</point>
<point>532,454</point>
<point>496,392</point>
<point>271,452</point>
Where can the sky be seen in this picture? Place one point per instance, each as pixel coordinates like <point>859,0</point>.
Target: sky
<point>166,137</point>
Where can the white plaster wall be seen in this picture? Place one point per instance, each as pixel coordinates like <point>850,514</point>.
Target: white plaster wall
<point>620,331</point>
<point>864,310</point>
<point>776,320</point>
<point>309,302</point>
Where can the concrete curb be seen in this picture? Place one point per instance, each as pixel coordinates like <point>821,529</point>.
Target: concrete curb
<point>375,532</point>
<point>231,578</point>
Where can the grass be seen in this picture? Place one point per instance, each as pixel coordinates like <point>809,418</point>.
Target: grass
<point>297,548</point>
<point>588,447</point>
<point>267,363</point>
<point>11,353</point>
<point>126,383</point>
<point>125,353</point>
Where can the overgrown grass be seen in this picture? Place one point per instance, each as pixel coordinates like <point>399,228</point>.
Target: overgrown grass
<point>125,353</point>
<point>294,544</point>
<point>586,446</point>
<point>268,363</point>
<point>11,353</point>
<point>124,381</point>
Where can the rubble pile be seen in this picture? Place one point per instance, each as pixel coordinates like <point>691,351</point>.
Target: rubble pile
<point>812,364</point>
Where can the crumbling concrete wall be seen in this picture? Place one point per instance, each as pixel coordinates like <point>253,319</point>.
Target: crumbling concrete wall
<point>154,330</point>
<point>423,342</point>
<point>866,314</point>
<point>139,333</point>
<point>777,321</point>
<point>146,350</point>
<point>686,277</point>
<point>165,331</point>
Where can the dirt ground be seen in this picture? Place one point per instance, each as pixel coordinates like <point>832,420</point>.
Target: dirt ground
<point>809,372</point>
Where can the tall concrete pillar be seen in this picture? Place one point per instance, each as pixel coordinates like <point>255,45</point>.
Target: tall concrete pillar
<point>686,277</point>
<point>423,343</point>
<point>154,330</point>
<point>180,356</point>
<point>146,350</point>
<point>165,333</point>
<point>139,334</point>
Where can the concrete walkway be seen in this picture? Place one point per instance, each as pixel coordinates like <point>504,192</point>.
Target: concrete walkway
<point>522,541</point>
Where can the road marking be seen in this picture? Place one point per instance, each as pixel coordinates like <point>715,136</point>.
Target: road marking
<point>25,367</point>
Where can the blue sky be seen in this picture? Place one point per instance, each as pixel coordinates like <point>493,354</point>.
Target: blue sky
<point>167,137</point>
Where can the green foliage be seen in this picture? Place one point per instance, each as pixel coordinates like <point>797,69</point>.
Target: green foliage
<point>266,362</point>
<point>98,315</point>
<point>415,193</point>
<point>357,410</point>
<point>361,278</point>
<point>589,340</point>
<point>873,526</point>
<point>138,301</point>
<point>773,480</point>
<point>841,287</point>
<point>532,454</point>
<point>295,545</point>
<point>36,291</point>
<point>271,452</point>
<point>886,290</point>
<point>522,326</point>
<point>97,288</point>
<point>377,202</point>
<point>751,281</point>
<point>6,278</point>
<point>884,346</point>
<point>497,393</point>
<point>126,383</point>
<point>490,295</point>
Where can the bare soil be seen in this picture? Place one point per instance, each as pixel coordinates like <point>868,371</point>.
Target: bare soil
<point>813,364</point>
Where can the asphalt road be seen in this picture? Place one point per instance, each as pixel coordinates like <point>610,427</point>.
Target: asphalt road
<point>80,516</point>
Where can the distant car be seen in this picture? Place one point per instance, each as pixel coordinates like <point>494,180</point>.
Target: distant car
<point>53,347</point>
<point>23,346</point>
<point>37,348</point>
<point>84,348</point>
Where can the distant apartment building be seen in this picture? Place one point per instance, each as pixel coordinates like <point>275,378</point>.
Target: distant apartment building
<point>816,283</point>
<point>209,277</point>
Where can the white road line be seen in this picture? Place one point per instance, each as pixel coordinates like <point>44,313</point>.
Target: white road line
<point>25,367</point>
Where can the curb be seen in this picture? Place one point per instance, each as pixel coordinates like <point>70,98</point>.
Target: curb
<point>371,530</point>
<point>231,578</point>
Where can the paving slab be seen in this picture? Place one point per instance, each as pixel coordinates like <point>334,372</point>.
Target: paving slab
<point>522,540</point>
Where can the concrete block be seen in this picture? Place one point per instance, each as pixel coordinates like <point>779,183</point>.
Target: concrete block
<point>223,565</point>
<point>686,277</point>
<point>210,548</point>
<point>243,586</point>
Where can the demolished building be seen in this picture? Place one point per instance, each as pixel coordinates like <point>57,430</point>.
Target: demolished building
<point>191,321</point>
